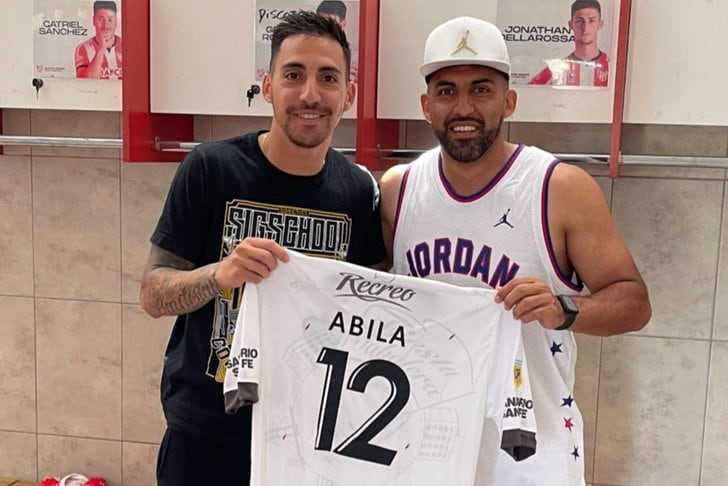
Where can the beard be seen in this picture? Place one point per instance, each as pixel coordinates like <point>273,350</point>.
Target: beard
<point>471,149</point>
<point>306,137</point>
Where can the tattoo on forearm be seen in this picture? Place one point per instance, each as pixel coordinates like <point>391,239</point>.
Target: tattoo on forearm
<point>184,292</point>
<point>172,286</point>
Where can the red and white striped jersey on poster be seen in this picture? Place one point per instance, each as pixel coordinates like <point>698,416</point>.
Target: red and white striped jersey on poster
<point>573,71</point>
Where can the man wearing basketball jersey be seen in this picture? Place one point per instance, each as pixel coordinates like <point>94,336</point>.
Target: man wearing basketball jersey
<point>232,208</point>
<point>480,211</point>
<point>587,65</point>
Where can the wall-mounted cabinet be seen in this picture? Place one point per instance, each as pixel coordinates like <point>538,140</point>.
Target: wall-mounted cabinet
<point>677,71</point>
<point>401,51</point>
<point>203,58</point>
<point>203,62</point>
<point>17,71</point>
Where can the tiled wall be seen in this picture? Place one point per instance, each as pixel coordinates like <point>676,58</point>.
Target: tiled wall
<point>80,362</point>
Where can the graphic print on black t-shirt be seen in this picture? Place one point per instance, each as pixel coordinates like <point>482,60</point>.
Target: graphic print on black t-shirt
<point>315,233</point>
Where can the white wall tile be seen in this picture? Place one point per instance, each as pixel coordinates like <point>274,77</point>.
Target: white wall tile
<point>17,364</point>
<point>139,464</point>
<point>144,342</point>
<point>671,228</point>
<point>76,228</point>
<point>651,411</point>
<point>79,368</point>
<point>19,456</point>
<point>678,140</point>
<point>16,229</point>
<point>715,448</point>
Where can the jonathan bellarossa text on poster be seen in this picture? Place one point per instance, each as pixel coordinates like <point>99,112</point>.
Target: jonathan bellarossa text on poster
<point>77,39</point>
<point>559,43</point>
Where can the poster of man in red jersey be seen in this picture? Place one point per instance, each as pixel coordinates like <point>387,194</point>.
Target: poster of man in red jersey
<point>564,43</point>
<point>77,39</point>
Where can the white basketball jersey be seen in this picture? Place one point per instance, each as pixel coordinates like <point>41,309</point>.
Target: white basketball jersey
<point>486,239</point>
<point>370,378</point>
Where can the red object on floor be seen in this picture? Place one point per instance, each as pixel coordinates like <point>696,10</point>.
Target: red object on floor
<point>73,479</point>
<point>95,482</point>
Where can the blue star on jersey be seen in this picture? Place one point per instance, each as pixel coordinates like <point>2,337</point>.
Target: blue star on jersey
<point>556,348</point>
<point>567,401</point>
<point>575,453</point>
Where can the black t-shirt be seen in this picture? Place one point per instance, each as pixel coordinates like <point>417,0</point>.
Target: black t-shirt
<point>222,193</point>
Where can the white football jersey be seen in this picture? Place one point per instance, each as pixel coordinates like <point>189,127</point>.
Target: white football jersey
<point>362,377</point>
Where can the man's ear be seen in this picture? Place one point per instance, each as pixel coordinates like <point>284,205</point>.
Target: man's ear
<point>266,88</point>
<point>425,103</point>
<point>510,103</point>
<point>350,95</point>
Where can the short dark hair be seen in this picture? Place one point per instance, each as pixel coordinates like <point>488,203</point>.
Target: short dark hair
<point>104,4</point>
<point>333,7</point>
<point>309,23</point>
<point>580,4</point>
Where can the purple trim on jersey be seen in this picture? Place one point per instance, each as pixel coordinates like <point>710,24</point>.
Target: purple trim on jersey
<point>578,286</point>
<point>491,184</point>
<point>402,186</point>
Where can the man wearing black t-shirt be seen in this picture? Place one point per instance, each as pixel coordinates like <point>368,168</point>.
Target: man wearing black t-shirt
<point>233,208</point>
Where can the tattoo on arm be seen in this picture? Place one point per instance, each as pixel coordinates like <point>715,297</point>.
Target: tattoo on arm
<point>172,286</point>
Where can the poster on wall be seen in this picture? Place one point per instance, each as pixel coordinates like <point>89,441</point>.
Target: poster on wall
<point>562,43</point>
<point>270,12</point>
<point>77,39</point>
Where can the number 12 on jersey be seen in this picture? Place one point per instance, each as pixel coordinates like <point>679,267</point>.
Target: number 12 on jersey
<point>357,445</point>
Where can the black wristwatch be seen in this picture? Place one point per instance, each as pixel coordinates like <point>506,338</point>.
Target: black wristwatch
<point>570,309</point>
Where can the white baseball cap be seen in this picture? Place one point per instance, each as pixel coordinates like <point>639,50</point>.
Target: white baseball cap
<point>462,41</point>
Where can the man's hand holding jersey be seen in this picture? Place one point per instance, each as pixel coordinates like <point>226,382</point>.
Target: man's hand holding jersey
<point>252,260</point>
<point>530,299</point>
